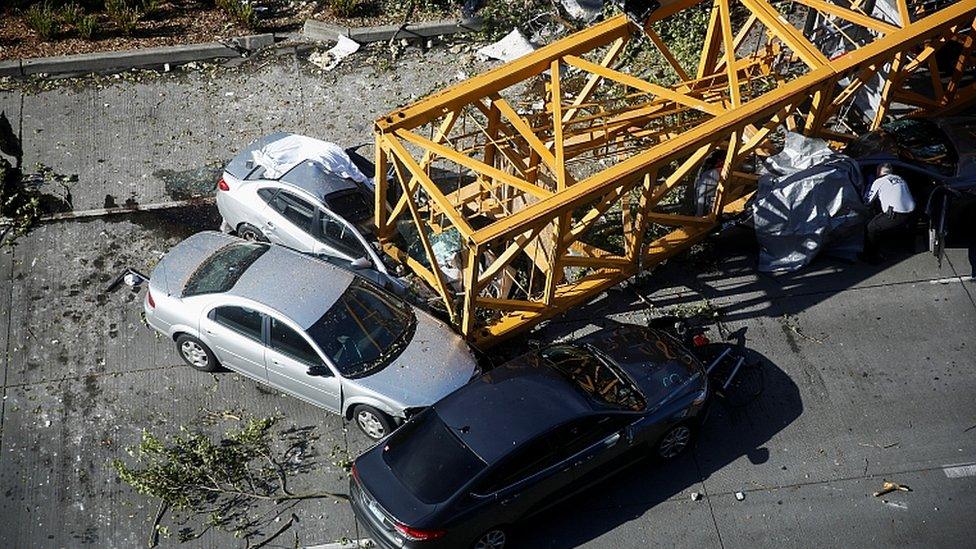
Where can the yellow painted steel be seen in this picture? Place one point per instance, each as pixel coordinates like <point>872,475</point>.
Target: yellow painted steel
<point>527,190</point>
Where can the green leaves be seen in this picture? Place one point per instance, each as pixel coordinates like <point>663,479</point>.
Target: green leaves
<point>219,480</point>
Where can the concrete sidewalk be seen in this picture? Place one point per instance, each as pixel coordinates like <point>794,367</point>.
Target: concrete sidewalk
<point>155,138</point>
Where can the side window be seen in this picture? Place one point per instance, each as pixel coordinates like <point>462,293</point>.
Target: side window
<point>294,209</point>
<point>243,321</point>
<point>267,194</point>
<point>339,236</point>
<point>288,342</point>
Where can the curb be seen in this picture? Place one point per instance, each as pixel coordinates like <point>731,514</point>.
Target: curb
<point>319,31</point>
<point>129,59</point>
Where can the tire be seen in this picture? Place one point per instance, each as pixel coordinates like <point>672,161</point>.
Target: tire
<point>494,538</point>
<point>250,232</point>
<point>372,422</point>
<point>196,354</point>
<point>674,442</point>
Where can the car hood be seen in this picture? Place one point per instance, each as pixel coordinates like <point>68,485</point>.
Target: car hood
<point>435,363</point>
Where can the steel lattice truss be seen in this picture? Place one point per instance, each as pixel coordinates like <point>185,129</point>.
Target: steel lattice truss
<point>525,191</point>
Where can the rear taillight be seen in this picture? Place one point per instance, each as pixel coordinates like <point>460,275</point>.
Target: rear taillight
<point>414,534</point>
<point>222,185</point>
<point>355,473</point>
<point>699,340</point>
<point>150,300</point>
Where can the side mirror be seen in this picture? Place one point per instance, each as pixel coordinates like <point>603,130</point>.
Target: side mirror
<point>361,263</point>
<point>318,370</point>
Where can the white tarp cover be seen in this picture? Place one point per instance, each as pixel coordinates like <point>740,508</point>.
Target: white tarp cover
<point>284,154</point>
<point>808,200</point>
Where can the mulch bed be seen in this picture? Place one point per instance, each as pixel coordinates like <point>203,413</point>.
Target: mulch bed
<point>176,22</point>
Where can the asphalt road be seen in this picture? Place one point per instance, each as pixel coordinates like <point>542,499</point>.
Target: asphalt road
<point>868,370</point>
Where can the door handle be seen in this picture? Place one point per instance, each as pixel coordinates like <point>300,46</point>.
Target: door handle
<point>510,499</point>
<point>269,225</point>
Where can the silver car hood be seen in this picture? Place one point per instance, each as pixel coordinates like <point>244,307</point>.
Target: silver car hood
<point>435,363</point>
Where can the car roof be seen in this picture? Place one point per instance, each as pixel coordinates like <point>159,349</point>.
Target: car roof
<point>311,286</point>
<point>509,406</point>
<point>307,176</point>
<point>299,286</point>
<point>311,178</point>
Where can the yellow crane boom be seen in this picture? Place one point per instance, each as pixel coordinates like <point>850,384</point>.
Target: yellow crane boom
<point>529,189</point>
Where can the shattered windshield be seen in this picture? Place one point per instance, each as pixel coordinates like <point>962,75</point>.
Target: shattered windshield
<point>364,330</point>
<point>600,380</point>
<point>917,141</point>
<point>221,271</point>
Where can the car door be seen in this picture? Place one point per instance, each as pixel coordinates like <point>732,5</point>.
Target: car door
<point>338,238</point>
<point>603,446</point>
<point>234,334</point>
<point>295,367</point>
<point>534,477</point>
<point>289,221</point>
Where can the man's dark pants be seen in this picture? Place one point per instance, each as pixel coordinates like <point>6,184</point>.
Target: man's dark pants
<point>880,224</point>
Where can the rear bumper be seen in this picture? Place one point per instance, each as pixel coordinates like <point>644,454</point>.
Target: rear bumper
<point>381,536</point>
<point>375,532</point>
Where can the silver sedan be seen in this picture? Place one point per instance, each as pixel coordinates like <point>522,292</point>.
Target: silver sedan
<point>306,194</point>
<point>306,327</point>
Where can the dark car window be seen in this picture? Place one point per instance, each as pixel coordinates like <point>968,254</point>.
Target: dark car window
<point>912,140</point>
<point>267,194</point>
<point>288,342</point>
<point>294,209</point>
<point>598,379</point>
<point>550,449</point>
<point>351,205</point>
<point>339,236</point>
<point>219,272</point>
<point>364,330</point>
<point>429,459</point>
<point>243,321</point>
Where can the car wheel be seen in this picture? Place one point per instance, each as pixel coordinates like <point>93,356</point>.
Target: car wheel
<point>492,539</point>
<point>372,422</point>
<point>196,353</point>
<point>674,442</point>
<point>250,232</point>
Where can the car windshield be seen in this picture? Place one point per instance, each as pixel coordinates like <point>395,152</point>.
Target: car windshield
<point>600,379</point>
<point>429,459</point>
<point>364,330</point>
<point>221,270</point>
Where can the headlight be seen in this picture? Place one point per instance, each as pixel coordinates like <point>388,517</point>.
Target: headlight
<point>702,395</point>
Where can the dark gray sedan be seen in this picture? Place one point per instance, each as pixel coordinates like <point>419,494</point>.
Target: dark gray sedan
<point>527,435</point>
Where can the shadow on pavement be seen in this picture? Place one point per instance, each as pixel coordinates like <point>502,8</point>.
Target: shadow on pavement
<point>728,434</point>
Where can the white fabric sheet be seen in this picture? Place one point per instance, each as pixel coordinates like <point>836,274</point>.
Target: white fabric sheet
<point>280,156</point>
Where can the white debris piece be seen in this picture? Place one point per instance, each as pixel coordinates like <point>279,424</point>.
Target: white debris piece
<point>329,60</point>
<point>513,46</point>
<point>740,496</point>
<point>284,154</point>
<point>584,10</point>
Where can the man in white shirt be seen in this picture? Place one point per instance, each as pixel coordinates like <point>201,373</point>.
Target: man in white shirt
<point>891,192</point>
